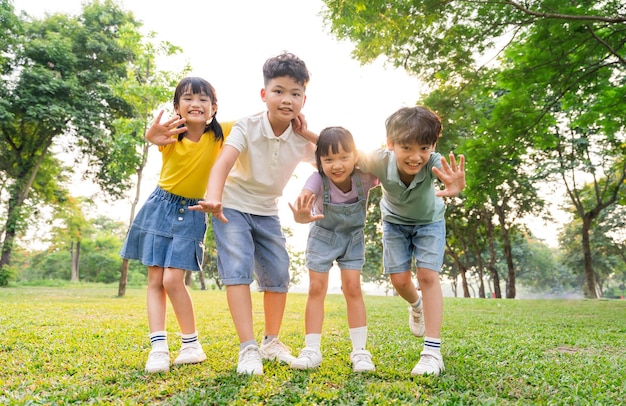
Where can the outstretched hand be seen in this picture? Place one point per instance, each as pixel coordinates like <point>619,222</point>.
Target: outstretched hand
<point>165,133</point>
<point>215,208</point>
<point>302,210</point>
<point>452,176</point>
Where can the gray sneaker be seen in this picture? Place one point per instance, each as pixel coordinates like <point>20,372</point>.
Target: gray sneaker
<point>275,350</point>
<point>416,321</point>
<point>430,363</point>
<point>250,361</point>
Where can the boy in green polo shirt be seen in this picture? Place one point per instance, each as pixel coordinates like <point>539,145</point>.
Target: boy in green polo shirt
<point>413,210</point>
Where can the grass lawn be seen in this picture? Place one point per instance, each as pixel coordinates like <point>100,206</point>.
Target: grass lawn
<point>82,345</point>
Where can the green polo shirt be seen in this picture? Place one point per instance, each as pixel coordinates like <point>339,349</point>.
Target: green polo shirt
<point>401,204</point>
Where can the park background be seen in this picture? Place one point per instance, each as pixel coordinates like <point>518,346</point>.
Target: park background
<point>227,42</point>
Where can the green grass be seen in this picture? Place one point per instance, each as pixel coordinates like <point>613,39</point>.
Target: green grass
<point>82,345</point>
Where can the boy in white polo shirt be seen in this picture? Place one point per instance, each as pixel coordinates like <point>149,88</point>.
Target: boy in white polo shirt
<point>246,182</point>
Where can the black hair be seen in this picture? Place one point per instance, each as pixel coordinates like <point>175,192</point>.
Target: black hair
<point>416,124</point>
<point>329,141</point>
<point>200,86</point>
<point>286,64</point>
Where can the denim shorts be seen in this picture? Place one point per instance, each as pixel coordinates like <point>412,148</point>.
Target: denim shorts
<point>166,233</point>
<point>325,246</point>
<point>403,244</point>
<point>250,245</point>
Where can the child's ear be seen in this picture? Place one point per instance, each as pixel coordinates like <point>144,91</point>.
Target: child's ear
<point>263,94</point>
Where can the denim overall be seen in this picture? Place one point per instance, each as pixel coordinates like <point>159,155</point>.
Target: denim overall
<point>339,235</point>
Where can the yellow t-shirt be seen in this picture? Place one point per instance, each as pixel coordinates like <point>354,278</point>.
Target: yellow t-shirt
<point>187,165</point>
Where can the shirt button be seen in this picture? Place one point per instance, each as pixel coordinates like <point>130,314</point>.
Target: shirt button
<point>183,201</point>
<point>180,219</point>
<point>181,210</point>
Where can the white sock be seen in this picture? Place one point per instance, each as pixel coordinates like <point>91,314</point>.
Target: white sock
<point>432,344</point>
<point>359,337</point>
<point>313,341</point>
<point>158,339</point>
<point>189,339</point>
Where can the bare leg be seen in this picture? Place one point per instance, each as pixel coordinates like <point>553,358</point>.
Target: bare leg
<point>403,283</point>
<point>156,299</point>
<point>174,283</point>
<point>314,314</point>
<point>274,309</point>
<point>351,286</point>
<point>432,299</point>
<point>240,305</point>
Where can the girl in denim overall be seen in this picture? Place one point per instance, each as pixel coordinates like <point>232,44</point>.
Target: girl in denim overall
<point>336,235</point>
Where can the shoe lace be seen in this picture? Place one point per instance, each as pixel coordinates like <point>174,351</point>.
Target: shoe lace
<point>309,354</point>
<point>250,353</point>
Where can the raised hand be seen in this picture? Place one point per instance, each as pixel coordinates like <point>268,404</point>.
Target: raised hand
<point>167,132</point>
<point>452,176</point>
<point>302,209</point>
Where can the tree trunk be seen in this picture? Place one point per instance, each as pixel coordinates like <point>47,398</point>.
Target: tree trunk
<point>19,193</point>
<point>590,277</point>
<point>121,289</point>
<point>188,278</point>
<point>508,253</point>
<point>202,281</point>
<point>74,255</point>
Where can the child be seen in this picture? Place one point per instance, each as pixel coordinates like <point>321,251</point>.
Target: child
<point>263,151</point>
<point>413,219</point>
<point>167,237</point>
<point>338,196</point>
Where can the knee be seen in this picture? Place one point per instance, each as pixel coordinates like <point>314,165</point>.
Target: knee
<point>351,289</point>
<point>401,280</point>
<point>317,288</point>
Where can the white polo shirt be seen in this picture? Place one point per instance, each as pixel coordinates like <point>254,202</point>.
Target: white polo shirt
<point>264,166</point>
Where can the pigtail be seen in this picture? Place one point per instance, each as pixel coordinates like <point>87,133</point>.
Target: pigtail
<point>218,133</point>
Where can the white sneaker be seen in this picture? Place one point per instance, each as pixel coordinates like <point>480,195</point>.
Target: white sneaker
<point>362,361</point>
<point>158,361</point>
<point>277,350</point>
<point>430,363</point>
<point>191,354</point>
<point>250,361</point>
<point>309,358</point>
<point>416,321</point>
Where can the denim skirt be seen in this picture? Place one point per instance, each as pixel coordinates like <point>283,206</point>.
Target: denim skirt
<point>165,233</point>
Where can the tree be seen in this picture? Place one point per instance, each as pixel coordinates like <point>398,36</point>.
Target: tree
<point>558,66</point>
<point>144,88</point>
<point>57,81</point>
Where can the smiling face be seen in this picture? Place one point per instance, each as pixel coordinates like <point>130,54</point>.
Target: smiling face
<point>196,108</point>
<point>410,158</point>
<point>284,98</point>
<point>338,166</point>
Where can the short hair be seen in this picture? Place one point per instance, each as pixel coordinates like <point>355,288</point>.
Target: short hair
<point>199,86</point>
<point>414,125</point>
<point>286,64</point>
<point>329,141</point>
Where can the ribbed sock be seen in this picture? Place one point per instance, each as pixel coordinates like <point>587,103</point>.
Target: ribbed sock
<point>313,340</point>
<point>158,339</point>
<point>189,339</point>
<point>358,335</point>
<point>432,344</point>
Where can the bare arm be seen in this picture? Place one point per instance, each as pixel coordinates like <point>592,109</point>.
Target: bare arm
<point>165,133</point>
<point>303,206</point>
<point>452,176</point>
<point>213,200</point>
<point>300,127</point>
